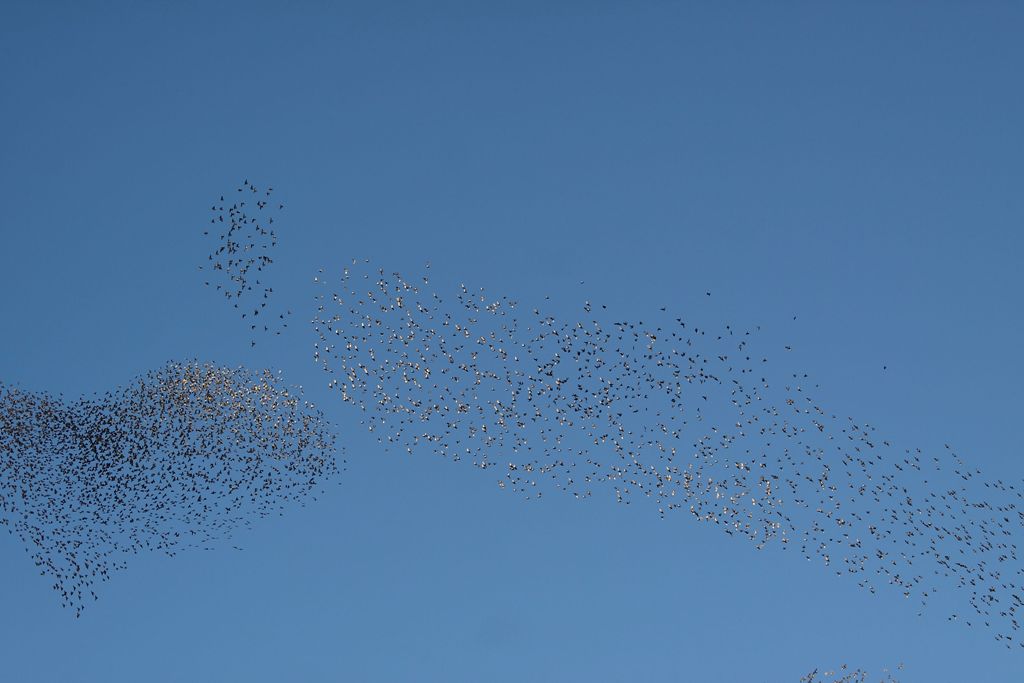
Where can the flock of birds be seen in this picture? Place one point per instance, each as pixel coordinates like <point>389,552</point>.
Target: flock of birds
<point>178,458</point>
<point>688,419</point>
<point>845,674</point>
<point>241,223</point>
<point>663,411</point>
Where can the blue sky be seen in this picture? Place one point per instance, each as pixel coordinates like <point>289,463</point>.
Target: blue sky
<point>856,167</point>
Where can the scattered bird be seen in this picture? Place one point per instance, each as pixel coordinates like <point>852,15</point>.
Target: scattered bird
<point>663,411</point>
<point>242,254</point>
<point>845,674</point>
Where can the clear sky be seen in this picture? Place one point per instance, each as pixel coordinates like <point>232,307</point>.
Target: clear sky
<point>858,166</point>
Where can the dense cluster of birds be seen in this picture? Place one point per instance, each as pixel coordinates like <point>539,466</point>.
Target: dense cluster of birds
<point>179,457</point>
<point>242,224</point>
<point>692,420</point>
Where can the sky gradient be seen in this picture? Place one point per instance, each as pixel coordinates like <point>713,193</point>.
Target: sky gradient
<point>856,167</point>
